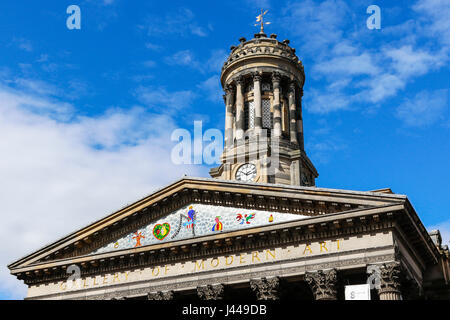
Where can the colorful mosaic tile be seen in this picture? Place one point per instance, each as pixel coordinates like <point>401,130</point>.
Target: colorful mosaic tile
<point>197,220</point>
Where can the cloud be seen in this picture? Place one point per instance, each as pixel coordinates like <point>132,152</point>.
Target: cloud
<point>424,109</point>
<point>187,58</point>
<point>357,70</point>
<point>158,98</point>
<point>181,22</point>
<point>58,175</point>
<point>212,89</point>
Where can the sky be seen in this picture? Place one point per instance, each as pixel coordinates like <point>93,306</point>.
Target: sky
<point>86,115</point>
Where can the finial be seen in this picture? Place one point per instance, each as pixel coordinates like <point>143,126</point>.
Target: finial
<point>260,19</point>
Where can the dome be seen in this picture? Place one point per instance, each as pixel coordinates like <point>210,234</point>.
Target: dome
<point>262,55</point>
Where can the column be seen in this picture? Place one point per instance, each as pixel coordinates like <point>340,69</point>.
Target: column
<point>211,292</point>
<point>239,109</point>
<point>386,279</point>
<point>300,120</point>
<point>292,112</point>
<point>266,288</point>
<point>258,101</point>
<point>160,295</point>
<point>323,284</point>
<point>229,118</point>
<point>276,104</point>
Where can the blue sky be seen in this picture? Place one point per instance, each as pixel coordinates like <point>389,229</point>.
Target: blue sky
<point>86,115</point>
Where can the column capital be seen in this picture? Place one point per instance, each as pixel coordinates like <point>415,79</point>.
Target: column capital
<point>266,288</point>
<point>211,292</point>
<point>229,89</point>
<point>240,80</point>
<point>257,76</point>
<point>387,279</point>
<point>276,77</point>
<point>160,295</point>
<point>323,284</point>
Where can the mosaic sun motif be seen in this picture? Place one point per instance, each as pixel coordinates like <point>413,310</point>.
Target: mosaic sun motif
<point>197,220</point>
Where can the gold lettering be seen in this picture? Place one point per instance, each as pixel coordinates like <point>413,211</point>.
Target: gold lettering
<point>63,286</point>
<point>166,269</point>
<point>116,277</point>
<point>215,264</point>
<point>226,260</point>
<point>338,244</point>
<point>270,252</point>
<point>95,282</point>
<point>307,248</point>
<point>126,275</point>
<point>199,266</point>
<point>153,272</point>
<point>241,259</point>
<point>323,245</point>
<point>255,255</point>
<point>104,280</point>
<point>84,284</point>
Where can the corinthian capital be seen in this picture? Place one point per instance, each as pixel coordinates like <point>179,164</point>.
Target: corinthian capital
<point>256,76</point>
<point>276,77</point>
<point>166,295</point>
<point>323,284</point>
<point>266,289</point>
<point>211,292</point>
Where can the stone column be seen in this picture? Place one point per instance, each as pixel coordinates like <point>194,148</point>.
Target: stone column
<point>229,118</point>
<point>292,113</point>
<point>386,279</point>
<point>323,284</point>
<point>239,109</point>
<point>276,104</point>
<point>160,295</point>
<point>258,101</point>
<point>266,288</point>
<point>211,292</point>
<point>300,120</point>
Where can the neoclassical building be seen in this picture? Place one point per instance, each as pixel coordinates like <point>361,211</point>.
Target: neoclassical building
<point>259,228</point>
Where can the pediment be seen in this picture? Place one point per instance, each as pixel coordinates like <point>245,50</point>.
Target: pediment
<point>197,220</point>
<point>209,198</point>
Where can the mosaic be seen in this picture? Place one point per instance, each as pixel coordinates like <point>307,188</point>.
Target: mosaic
<point>197,220</point>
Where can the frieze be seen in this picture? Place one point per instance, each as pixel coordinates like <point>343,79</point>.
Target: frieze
<point>243,277</point>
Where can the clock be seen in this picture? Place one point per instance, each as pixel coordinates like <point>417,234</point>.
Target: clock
<point>246,172</point>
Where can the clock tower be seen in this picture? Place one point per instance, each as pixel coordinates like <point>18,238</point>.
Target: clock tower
<point>263,83</point>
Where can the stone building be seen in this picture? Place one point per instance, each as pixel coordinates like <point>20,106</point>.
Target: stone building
<point>259,228</point>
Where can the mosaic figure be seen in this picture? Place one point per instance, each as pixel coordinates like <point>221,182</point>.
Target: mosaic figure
<point>218,226</point>
<point>160,231</point>
<point>189,224</point>
<point>245,218</point>
<point>138,236</point>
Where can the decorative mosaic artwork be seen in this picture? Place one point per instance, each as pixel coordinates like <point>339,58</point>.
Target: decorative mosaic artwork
<point>197,220</point>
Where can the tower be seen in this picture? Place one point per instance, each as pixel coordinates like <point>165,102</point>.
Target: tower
<point>263,83</point>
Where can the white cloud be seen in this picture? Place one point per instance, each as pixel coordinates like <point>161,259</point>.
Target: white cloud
<point>212,89</point>
<point>181,22</point>
<point>58,176</point>
<point>424,109</point>
<point>158,98</point>
<point>358,71</point>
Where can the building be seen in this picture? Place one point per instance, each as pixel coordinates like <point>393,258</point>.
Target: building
<point>259,227</point>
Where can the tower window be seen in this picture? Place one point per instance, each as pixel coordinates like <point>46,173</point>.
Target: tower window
<point>251,115</point>
<point>267,116</point>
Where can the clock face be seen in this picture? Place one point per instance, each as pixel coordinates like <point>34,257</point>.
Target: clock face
<point>246,172</point>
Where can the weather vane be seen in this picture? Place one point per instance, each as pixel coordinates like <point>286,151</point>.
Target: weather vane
<point>260,19</point>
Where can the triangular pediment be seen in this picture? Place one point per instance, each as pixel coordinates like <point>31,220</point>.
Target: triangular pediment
<point>210,198</point>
